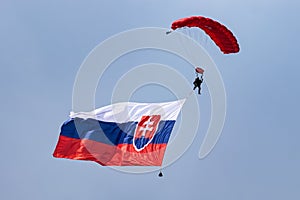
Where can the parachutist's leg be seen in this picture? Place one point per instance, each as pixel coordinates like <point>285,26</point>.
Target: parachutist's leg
<point>195,86</point>
<point>199,90</point>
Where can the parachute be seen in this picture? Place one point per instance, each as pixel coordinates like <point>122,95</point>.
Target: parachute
<point>221,35</point>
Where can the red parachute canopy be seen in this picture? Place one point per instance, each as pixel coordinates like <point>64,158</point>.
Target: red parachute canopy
<point>223,37</point>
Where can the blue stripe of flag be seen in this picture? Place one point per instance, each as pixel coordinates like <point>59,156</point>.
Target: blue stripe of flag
<point>112,133</point>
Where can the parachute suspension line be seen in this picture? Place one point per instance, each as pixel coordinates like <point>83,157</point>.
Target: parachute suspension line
<point>205,40</point>
<point>191,33</point>
<point>183,40</point>
<point>187,32</point>
<point>201,39</point>
<point>183,43</point>
<point>195,35</point>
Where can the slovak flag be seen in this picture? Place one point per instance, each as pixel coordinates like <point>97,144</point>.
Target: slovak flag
<point>121,134</point>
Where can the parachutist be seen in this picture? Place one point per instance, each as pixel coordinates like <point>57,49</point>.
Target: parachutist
<point>197,84</point>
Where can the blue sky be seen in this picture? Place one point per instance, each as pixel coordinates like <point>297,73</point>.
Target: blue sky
<point>44,43</point>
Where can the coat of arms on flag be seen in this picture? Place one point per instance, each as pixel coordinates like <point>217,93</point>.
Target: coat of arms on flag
<point>145,131</point>
<point>122,134</point>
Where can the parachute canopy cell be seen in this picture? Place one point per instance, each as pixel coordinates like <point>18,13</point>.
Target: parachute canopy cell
<point>221,35</point>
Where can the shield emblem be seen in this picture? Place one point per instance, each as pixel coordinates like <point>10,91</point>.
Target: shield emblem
<point>145,131</point>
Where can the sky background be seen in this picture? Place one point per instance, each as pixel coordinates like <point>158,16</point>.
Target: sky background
<point>43,44</point>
